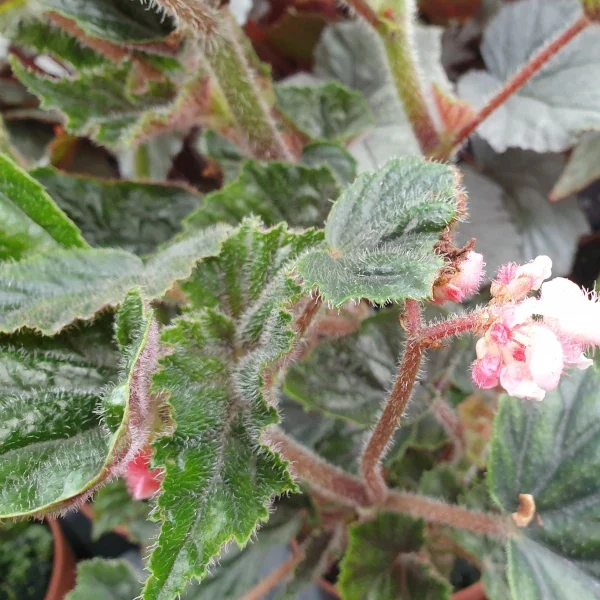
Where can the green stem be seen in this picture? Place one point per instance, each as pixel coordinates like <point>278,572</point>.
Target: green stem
<point>394,27</point>
<point>237,80</point>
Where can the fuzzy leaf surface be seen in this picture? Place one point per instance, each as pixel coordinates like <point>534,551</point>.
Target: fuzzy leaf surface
<point>30,222</point>
<point>48,292</point>
<point>275,192</point>
<point>154,212</point>
<point>50,39</point>
<point>381,562</point>
<point>239,570</point>
<point>120,21</point>
<point>97,103</point>
<point>544,115</point>
<point>103,579</point>
<point>551,450</point>
<point>219,476</point>
<point>329,111</point>
<point>349,377</point>
<point>381,233</point>
<point>64,431</point>
<point>338,159</point>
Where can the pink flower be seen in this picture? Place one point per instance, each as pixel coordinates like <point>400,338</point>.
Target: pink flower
<point>515,282</point>
<point>464,283</point>
<point>142,482</point>
<point>575,313</point>
<point>529,341</point>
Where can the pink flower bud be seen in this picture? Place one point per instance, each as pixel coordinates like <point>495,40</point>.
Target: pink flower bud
<point>464,283</point>
<point>142,482</point>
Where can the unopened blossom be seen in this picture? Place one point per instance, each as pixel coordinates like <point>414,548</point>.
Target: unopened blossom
<point>142,482</point>
<point>529,341</point>
<point>464,283</point>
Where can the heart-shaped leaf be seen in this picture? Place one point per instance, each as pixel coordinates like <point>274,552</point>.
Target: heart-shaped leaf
<point>381,562</point>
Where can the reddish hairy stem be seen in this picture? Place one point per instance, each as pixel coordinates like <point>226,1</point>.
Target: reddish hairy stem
<point>351,491</point>
<point>273,579</point>
<point>434,511</point>
<point>412,316</point>
<point>419,339</point>
<point>390,419</point>
<point>327,479</point>
<point>517,81</point>
<point>394,29</point>
<point>429,335</point>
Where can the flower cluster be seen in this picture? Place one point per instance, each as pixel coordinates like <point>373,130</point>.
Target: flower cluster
<point>529,341</point>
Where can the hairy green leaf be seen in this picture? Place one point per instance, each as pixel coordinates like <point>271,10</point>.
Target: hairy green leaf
<point>331,155</point>
<point>329,111</point>
<point>48,292</point>
<point>547,113</point>
<point>239,570</point>
<point>551,450</point>
<point>381,234</point>
<point>30,222</point>
<point>153,211</point>
<point>120,21</point>
<point>219,476</point>
<point>64,432</point>
<point>49,39</point>
<point>582,168</point>
<point>381,562</point>
<point>275,192</point>
<point>103,579</point>
<point>98,103</point>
